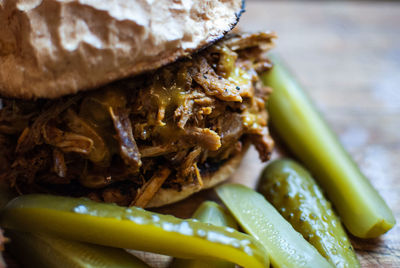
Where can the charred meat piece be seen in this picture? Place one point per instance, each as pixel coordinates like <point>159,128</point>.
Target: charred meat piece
<point>128,148</point>
<point>212,83</point>
<point>150,188</point>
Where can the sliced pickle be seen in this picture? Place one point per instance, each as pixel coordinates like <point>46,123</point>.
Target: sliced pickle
<point>287,248</point>
<point>111,225</point>
<point>212,213</point>
<point>46,251</point>
<point>294,193</point>
<point>40,250</point>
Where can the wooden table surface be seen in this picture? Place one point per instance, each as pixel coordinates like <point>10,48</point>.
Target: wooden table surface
<point>347,56</point>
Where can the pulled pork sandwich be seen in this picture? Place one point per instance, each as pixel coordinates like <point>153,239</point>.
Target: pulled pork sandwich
<point>171,110</point>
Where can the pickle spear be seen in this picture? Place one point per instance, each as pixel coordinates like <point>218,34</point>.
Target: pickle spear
<point>39,250</point>
<point>363,211</point>
<point>294,193</point>
<point>134,228</point>
<point>287,248</point>
<point>212,213</point>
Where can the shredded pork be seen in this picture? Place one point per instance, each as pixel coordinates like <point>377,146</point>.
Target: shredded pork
<point>110,144</point>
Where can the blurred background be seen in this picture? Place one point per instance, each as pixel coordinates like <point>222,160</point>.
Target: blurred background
<point>346,54</point>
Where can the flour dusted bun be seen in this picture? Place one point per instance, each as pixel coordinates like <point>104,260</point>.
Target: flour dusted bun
<point>210,179</point>
<point>50,48</point>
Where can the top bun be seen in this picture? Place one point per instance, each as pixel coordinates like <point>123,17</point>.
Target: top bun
<point>51,48</point>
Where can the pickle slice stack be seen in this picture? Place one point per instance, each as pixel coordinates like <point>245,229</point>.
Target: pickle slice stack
<point>287,248</point>
<point>45,251</point>
<point>133,228</point>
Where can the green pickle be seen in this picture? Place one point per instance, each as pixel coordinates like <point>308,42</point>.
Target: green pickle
<point>39,250</point>
<point>133,228</point>
<point>212,213</point>
<point>294,193</point>
<point>295,119</point>
<point>287,248</point>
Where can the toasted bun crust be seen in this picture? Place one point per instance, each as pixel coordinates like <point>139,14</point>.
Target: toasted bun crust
<point>51,48</point>
<point>168,196</point>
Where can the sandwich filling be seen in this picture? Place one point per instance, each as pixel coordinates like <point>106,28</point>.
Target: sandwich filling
<point>123,142</point>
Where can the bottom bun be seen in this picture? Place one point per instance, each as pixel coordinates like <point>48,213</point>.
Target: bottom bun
<point>210,179</point>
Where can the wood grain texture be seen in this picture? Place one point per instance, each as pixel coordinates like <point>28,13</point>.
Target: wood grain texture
<point>347,56</point>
